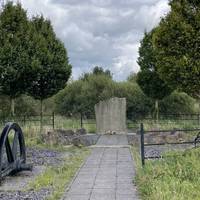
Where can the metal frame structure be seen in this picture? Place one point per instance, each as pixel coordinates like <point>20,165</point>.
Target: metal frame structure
<point>142,132</point>
<point>12,150</point>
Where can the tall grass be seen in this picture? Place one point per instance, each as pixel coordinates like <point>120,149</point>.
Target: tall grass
<point>169,124</point>
<point>172,178</point>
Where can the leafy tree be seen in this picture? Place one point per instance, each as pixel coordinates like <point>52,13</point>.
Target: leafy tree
<point>81,96</point>
<point>97,71</point>
<point>14,51</point>
<point>178,103</point>
<point>51,68</point>
<point>148,77</point>
<point>132,77</point>
<point>177,43</point>
<point>138,104</point>
<point>69,101</point>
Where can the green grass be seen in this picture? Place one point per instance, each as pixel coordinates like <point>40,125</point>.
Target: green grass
<point>31,129</point>
<point>164,124</point>
<point>172,178</point>
<point>58,178</point>
<point>75,123</point>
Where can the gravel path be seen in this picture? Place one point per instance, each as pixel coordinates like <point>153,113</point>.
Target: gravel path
<point>40,158</point>
<point>30,195</point>
<point>44,157</point>
<point>159,150</point>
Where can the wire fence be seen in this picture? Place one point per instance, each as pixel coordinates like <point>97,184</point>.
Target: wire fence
<point>56,121</point>
<point>154,144</point>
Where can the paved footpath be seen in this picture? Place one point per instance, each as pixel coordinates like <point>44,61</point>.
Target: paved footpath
<point>107,174</point>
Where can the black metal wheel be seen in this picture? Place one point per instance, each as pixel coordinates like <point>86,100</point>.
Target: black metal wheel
<point>197,140</point>
<point>12,150</point>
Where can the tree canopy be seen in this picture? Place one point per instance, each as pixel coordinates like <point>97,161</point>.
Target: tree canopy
<point>51,68</point>
<point>14,46</point>
<point>148,78</point>
<point>15,63</point>
<point>80,96</point>
<point>177,44</point>
<point>97,71</point>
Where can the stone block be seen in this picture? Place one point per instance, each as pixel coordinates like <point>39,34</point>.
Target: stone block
<point>111,116</point>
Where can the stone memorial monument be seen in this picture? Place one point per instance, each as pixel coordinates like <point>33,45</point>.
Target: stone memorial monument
<point>111,116</point>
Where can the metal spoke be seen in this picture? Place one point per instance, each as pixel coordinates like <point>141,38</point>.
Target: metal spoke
<point>9,151</point>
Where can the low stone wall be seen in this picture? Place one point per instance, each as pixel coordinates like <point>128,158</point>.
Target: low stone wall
<point>68,137</point>
<point>167,137</point>
<point>86,140</point>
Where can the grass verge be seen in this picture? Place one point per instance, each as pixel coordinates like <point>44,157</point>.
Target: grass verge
<point>172,178</point>
<point>58,178</point>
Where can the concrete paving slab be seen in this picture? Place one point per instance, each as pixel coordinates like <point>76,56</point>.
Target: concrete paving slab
<point>106,175</point>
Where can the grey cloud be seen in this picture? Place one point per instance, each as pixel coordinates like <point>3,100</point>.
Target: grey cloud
<point>101,32</point>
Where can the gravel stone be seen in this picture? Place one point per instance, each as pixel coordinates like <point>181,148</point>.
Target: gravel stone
<point>38,157</point>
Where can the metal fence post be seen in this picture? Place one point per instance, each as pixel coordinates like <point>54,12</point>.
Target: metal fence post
<point>53,120</point>
<point>81,120</point>
<point>24,120</point>
<point>142,143</point>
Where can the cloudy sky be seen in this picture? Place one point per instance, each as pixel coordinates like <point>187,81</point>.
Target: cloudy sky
<point>101,32</point>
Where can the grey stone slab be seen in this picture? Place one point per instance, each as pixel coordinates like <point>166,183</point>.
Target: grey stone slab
<point>80,191</point>
<point>107,175</point>
<point>105,179</point>
<point>82,181</point>
<point>126,197</point>
<point>111,115</point>
<point>125,191</point>
<point>125,186</point>
<point>76,197</point>
<point>103,191</point>
<point>95,196</point>
<point>77,185</point>
<point>105,185</point>
<point>110,140</point>
<point>124,180</point>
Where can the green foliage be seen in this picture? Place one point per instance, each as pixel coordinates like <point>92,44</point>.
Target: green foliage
<point>51,69</point>
<point>80,96</point>
<point>177,43</point>
<point>138,105</point>
<point>14,50</point>
<point>175,177</point>
<point>132,77</point>
<point>178,103</point>
<point>69,100</point>
<point>97,71</point>
<point>148,78</point>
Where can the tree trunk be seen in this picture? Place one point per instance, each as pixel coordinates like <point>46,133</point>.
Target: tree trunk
<point>12,106</point>
<point>41,116</point>
<point>156,111</point>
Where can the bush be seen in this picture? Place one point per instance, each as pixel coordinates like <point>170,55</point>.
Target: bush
<point>178,103</point>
